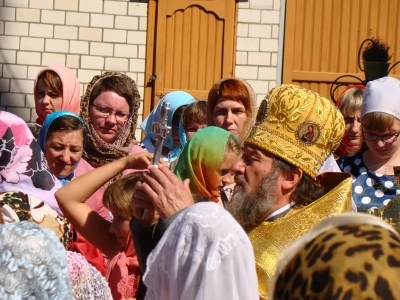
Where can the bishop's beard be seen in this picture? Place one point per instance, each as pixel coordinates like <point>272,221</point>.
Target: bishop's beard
<point>250,210</point>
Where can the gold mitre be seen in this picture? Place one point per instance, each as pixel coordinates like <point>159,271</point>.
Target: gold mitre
<point>270,239</point>
<point>299,126</point>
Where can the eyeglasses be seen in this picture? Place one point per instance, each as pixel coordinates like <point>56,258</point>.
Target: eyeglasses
<point>106,112</point>
<point>389,138</point>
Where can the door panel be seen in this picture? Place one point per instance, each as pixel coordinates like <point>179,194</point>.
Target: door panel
<point>193,45</point>
<point>322,38</point>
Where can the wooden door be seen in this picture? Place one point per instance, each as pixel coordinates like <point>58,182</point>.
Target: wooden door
<point>322,38</point>
<point>190,45</point>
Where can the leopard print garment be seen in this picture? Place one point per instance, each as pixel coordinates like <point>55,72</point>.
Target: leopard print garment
<point>352,261</point>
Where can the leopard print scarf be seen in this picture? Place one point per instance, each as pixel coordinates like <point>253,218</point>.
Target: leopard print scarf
<point>357,259</point>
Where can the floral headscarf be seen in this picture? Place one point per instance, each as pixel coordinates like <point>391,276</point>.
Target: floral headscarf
<point>87,281</point>
<point>98,151</point>
<point>23,166</point>
<point>18,206</point>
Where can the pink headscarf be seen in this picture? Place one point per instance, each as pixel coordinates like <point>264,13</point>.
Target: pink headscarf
<point>71,90</point>
<point>23,166</point>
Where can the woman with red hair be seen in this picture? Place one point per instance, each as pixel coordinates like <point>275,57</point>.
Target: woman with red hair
<point>232,106</point>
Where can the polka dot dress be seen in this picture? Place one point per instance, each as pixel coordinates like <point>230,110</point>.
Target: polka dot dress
<point>370,189</point>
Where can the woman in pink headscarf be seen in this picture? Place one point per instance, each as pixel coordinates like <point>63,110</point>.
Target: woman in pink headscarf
<point>56,88</point>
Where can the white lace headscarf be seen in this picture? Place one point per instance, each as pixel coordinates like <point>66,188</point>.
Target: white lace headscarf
<point>204,254</point>
<point>33,263</point>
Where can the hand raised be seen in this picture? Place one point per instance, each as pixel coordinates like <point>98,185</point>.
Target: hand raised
<point>138,161</point>
<point>140,203</point>
<point>165,191</point>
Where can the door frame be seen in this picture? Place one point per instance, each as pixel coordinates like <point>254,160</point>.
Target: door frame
<point>149,91</point>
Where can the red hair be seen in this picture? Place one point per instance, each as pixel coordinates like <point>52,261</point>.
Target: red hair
<point>228,89</point>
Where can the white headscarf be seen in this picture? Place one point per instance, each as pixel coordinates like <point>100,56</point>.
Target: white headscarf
<point>382,95</point>
<point>204,254</point>
<point>33,263</point>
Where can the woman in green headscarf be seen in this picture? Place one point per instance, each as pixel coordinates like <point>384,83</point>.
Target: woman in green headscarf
<point>206,160</point>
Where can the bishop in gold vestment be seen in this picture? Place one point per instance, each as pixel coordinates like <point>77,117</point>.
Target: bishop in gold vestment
<point>278,196</point>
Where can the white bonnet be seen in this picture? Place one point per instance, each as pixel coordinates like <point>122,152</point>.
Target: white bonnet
<point>382,95</point>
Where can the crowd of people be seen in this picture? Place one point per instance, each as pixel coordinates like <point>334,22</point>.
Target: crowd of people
<point>243,204</point>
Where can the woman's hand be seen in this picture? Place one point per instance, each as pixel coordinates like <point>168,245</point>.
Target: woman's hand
<point>141,203</point>
<point>141,161</point>
<point>138,161</point>
<point>167,194</point>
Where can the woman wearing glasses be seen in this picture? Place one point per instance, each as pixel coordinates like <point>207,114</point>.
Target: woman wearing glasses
<point>109,109</point>
<point>374,178</point>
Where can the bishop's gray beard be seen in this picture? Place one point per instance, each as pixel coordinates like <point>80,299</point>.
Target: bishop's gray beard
<point>250,210</point>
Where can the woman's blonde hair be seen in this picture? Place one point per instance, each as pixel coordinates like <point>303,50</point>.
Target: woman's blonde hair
<point>351,100</point>
<point>118,195</point>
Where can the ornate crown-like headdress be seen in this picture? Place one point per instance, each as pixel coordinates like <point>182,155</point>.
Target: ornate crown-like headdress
<point>299,126</point>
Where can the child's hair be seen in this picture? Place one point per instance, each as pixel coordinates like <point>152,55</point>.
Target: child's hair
<point>232,145</point>
<point>351,100</point>
<point>176,118</point>
<point>378,121</point>
<point>194,113</point>
<point>118,195</point>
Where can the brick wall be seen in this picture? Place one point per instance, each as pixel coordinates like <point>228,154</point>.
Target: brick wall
<point>91,36</point>
<point>88,36</point>
<point>257,44</point>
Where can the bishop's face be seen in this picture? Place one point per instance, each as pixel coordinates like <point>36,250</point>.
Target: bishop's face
<point>252,168</point>
<point>257,186</point>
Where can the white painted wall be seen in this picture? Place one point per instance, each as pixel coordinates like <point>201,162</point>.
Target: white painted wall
<point>257,44</point>
<point>93,36</point>
<point>88,36</point>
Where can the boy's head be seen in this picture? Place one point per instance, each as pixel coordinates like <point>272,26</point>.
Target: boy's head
<point>194,117</point>
<point>118,195</point>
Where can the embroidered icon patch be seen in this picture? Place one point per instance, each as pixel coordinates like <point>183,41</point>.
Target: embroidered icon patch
<point>308,132</point>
